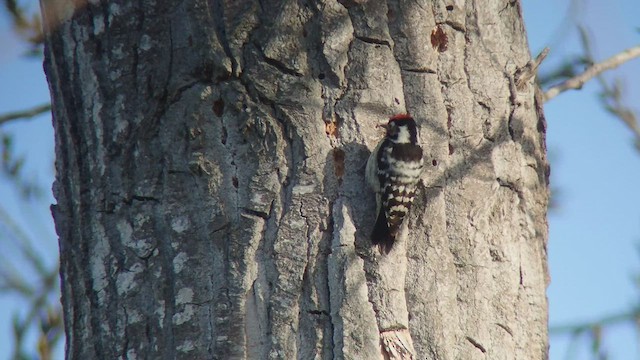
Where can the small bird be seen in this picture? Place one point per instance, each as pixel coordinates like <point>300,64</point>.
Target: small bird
<point>393,171</point>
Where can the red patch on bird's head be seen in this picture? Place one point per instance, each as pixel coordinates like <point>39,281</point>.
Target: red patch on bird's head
<point>400,117</point>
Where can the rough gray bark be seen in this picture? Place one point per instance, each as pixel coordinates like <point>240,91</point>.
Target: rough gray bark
<point>210,180</point>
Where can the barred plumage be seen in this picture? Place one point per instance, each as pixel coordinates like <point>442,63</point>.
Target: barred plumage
<point>393,171</point>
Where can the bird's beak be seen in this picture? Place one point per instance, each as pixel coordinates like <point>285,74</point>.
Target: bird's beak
<point>383,125</point>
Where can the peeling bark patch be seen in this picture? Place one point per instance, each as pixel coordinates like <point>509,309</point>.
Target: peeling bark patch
<point>180,224</point>
<point>496,255</point>
<point>397,344</point>
<point>331,128</point>
<point>338,163</point>
<point>194,133</point>
<point>476,344</point>
<point>439,39</point>
<point>218,107</point>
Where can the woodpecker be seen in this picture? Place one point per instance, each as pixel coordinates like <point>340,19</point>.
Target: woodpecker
<point>393,171</point>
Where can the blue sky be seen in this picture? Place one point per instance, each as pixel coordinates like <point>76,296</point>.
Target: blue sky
<point>23,85</point>
<point>594,233</point>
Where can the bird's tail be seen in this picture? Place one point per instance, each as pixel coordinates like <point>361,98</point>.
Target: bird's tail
<point>381,234</point>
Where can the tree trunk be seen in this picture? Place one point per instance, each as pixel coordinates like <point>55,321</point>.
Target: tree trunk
<point>210,180</point>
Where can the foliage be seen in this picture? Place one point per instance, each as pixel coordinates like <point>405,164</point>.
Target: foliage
<point>29,26</point>
<point>11,166</point>
<point>23,272</point>
<point>611,93</point>
<point>40,293</point>
<point>611,97</point>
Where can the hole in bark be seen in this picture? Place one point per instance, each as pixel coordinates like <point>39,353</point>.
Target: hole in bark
<point>218,107</point>
<point>450,149</point>
<point>397,101</point>
<point>434,162</point>
<point>234,181</point>
<point>449,7</point>
<point>321,76</point>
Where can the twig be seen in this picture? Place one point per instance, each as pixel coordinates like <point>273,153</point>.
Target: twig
<point>578,81</point>
<point>25,113</point>
<point>607,320</point>
<point>530,70</point>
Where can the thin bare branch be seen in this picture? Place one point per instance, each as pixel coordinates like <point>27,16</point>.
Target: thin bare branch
<point>530,70</point>
<point>588,325</point>
<point>578,81</point>
<point>25,113</point>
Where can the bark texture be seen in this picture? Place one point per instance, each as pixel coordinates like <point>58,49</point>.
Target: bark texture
<point>211,201</point>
